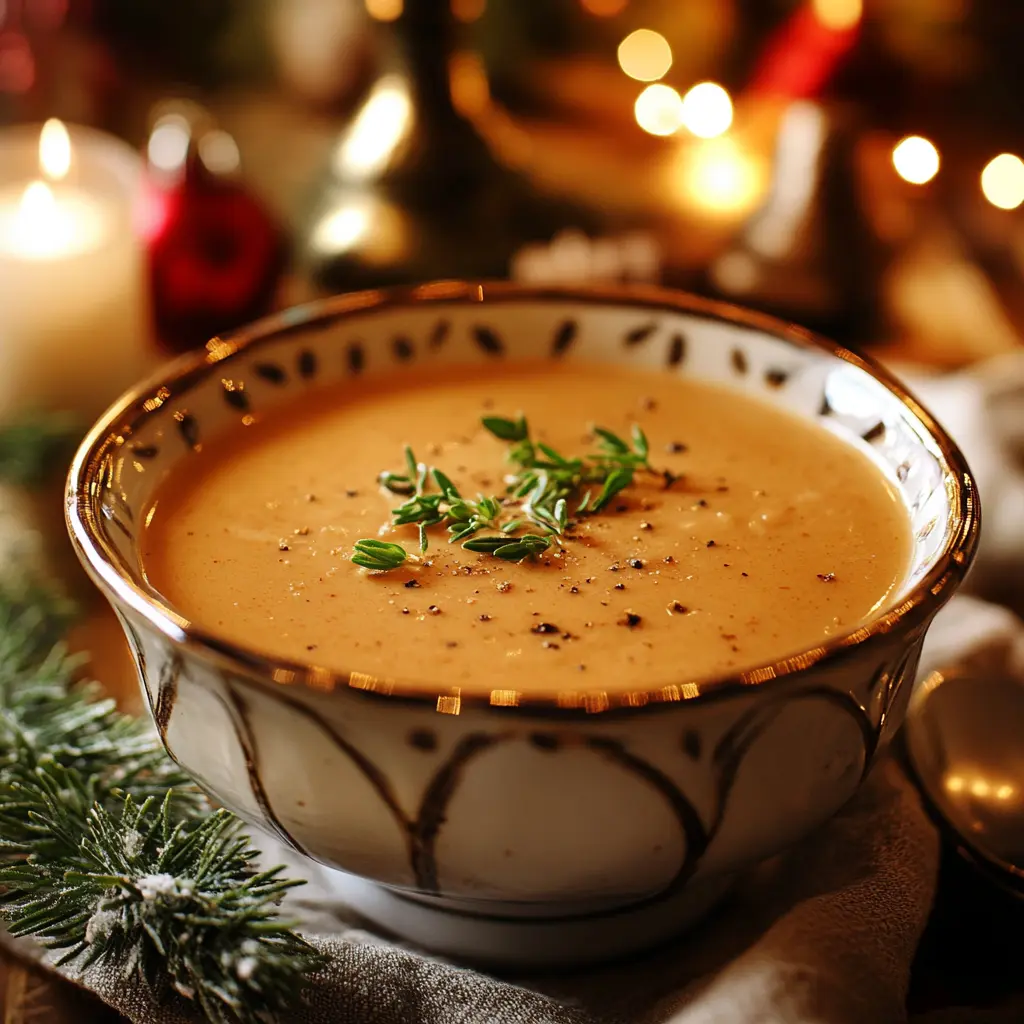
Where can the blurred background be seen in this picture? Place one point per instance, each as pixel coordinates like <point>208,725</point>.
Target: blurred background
<point>853,165</point>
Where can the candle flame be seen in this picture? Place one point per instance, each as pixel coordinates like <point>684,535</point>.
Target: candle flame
<point>54,150</point>
<point>39,228</point>
<point>37,203</point>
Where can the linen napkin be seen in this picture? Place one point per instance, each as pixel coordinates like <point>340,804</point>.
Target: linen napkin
<point>824,934</point>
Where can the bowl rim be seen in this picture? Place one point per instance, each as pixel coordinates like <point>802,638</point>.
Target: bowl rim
<point>103,564</point>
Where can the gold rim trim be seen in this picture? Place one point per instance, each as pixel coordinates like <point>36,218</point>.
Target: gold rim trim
<point>175,379</point>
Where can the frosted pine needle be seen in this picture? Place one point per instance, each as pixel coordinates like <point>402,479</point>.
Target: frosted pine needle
<point>109,854</point>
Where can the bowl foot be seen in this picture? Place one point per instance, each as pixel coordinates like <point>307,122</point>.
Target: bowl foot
<point>459,930</point>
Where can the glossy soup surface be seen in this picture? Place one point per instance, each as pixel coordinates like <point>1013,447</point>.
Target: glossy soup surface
<point>775,537</point>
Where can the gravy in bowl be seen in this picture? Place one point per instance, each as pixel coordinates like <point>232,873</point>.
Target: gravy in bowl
<point>750,534</point>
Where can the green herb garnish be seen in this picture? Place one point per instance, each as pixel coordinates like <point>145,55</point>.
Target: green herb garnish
<point>539,493</point>
<point>378,554</point>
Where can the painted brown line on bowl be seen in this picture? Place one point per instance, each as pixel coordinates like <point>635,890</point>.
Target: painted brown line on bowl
<point>565,337</point>
<point>729,753</point>
<point>695,835</point>
<point>488,339</point>
<point>423,831</point>
<point>425,828</point>
<point>167,693</point>
<point>247,742</point>
<point>676,350</point>
<point>638,335</point>
<point>235,395</point>
<point>377,779</point>
<point>271,372</point>
<point>439,335</point>
<point>306,363</point>
<point>139,654</point>
<point>355,357</point>
<point>188,428</point>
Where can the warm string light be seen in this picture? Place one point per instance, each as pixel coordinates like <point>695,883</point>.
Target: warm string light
<point>916,159</point>
<point>384,10</point>
<point>707,110</point>
<point>468,11</point>
<point>219,152</point>
<point>980,787</point>
<point>169,143</point>
<point>1002,181</point>
<point>719,176</point>
<point>645,55</point>
<point>604,8</point>
<point>838,15</point>
<point>659,110</point>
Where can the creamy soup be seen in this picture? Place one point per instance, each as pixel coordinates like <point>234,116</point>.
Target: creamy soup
<point>753,534</point>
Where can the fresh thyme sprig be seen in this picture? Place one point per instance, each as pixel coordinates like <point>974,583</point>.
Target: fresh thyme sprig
<point>378,554</point>
<point>539,492</point>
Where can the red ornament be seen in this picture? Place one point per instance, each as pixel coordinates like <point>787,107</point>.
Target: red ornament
<point>215,256</point>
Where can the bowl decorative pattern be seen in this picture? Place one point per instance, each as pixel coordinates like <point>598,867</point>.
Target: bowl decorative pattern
<point>498,804</point>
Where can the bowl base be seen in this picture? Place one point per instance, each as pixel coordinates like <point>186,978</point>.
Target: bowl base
<point>445,928</point>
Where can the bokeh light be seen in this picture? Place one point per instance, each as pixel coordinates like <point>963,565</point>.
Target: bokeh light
<point>376,131</point>
<point>719,176</point>
<point>219,152</point>
<point>916,159</point>
<point>659,110</point>
<point>384,10</point>
<point>169,143</point>
<point>838,15</point>
<point>604,8</point>
<point>707,110</point>
<point>645,55</point>
<point>45,15</point>
<point>1002,181</point>
<point>17,65</point>
<point>468,11</point>
<point>980,787</point>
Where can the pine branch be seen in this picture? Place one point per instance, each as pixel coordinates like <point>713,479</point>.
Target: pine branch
<point>109,853</point>
<point>34,446</point>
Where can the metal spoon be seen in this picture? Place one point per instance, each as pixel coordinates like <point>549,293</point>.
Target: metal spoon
<point>964,737</point>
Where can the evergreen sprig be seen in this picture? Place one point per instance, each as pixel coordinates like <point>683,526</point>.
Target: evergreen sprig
<point>108,853</point>
<point>36,444</point>
<point>539,491</point>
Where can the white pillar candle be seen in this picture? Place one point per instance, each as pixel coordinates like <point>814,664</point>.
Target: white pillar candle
<point>74,322</point>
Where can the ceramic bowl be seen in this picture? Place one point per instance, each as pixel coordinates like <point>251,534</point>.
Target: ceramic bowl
<point>502,827</point>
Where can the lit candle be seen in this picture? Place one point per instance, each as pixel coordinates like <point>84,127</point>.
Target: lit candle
<point>73,318</point>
